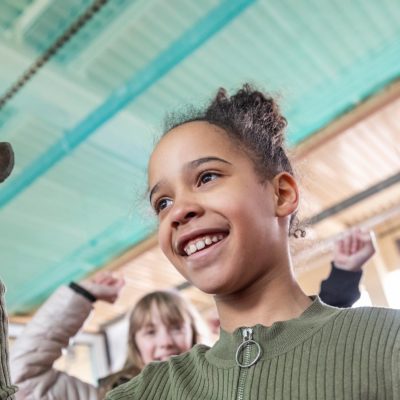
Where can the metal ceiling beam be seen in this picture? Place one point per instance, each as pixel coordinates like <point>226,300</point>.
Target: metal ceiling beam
<point>351,201</point>
<point>185,45</point>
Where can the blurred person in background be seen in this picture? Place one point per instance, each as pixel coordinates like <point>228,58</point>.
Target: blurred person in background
<point>162,324</point>
<point>7,390</point>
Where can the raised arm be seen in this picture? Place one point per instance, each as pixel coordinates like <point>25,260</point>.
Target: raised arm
<point>350,253</point>
<point>49,331</point>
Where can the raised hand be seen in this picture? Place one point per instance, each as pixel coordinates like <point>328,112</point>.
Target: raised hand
<point>354,249</point>
<point>104,286</point>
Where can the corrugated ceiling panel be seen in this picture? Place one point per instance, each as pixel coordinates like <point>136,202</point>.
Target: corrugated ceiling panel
<point>312,92</point>
<point>59,15</point>
<point>140,43</point>
<point>10,11</point>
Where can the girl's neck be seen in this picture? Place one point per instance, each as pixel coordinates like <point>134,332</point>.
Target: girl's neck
<point>272,298</point>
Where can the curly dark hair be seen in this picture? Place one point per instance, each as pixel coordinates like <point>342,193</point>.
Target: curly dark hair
<point>254,121</point>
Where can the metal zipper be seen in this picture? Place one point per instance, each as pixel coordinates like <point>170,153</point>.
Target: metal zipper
<point>247,334</point>
<point>246,362</point>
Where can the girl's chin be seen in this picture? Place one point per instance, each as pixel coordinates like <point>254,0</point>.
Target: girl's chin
<point>214,288</point>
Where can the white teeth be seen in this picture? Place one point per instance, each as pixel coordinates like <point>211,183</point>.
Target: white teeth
<point>200,244</point>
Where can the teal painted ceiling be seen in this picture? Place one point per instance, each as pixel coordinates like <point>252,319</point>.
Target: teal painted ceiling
<point>84,125</point>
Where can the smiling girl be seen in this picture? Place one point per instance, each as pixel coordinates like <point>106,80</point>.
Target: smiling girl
<point>162,324</point>
<point>226,198</point>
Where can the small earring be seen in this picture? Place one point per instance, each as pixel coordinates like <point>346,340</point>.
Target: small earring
<point>299,233</point>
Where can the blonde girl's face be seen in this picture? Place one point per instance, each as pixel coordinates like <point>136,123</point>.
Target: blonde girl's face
<point>157,341</point>
<point>217,220</point>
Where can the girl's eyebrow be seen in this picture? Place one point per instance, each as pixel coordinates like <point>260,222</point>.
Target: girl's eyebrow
<point>190,165</point>
<point>203,160</point>
<point>154,190</point>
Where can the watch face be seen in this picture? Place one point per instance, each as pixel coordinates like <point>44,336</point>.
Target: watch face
<point>6,160</point>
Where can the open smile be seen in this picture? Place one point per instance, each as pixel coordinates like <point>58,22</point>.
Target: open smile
<point>197,245</point>
<point>200,241</point>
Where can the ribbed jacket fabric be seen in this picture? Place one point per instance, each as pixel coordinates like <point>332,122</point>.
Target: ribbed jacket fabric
<point>6,389</point>
<point>326,353</point>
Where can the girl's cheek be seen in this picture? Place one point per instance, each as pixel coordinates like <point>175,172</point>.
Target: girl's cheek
<point>161,237</point>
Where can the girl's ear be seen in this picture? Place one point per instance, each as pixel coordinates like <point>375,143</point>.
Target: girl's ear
<point>286,194</point>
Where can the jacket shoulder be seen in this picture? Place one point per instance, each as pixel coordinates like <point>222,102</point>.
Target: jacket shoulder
<point>375,320</point>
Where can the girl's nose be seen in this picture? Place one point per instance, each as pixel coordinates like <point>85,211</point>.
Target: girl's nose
<point>165,340</point>
<point>184,212</point>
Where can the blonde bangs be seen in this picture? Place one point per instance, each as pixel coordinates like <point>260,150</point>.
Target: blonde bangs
<point>168,304</point>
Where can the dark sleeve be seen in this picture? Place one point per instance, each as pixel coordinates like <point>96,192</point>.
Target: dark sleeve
<point>340,288</point>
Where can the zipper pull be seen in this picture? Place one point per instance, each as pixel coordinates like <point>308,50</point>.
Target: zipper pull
<point>245,346</point>
<point>247,334</point>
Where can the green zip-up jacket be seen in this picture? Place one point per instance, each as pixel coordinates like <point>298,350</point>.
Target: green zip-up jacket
<point>326,353</point>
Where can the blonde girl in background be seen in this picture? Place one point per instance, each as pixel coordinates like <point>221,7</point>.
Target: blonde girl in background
<point>161,325</point>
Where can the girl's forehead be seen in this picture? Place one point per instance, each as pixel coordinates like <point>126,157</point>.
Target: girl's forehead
<point>199,133</point>
<point>155,313</point>
<point>188,142</point>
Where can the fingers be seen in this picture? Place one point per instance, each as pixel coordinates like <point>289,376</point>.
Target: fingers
<point>356,243</point>
<point>108,279</point>
<point>366,236</point>
<point>354,240</point>
<point>368,241</point>
<point>345,244</point>
<point>104,278</point>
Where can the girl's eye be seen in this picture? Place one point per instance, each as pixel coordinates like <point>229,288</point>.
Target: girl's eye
<point>176,327</point>
<point>162,204</point>
<point>207,177</point>
<point>149,332</point>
